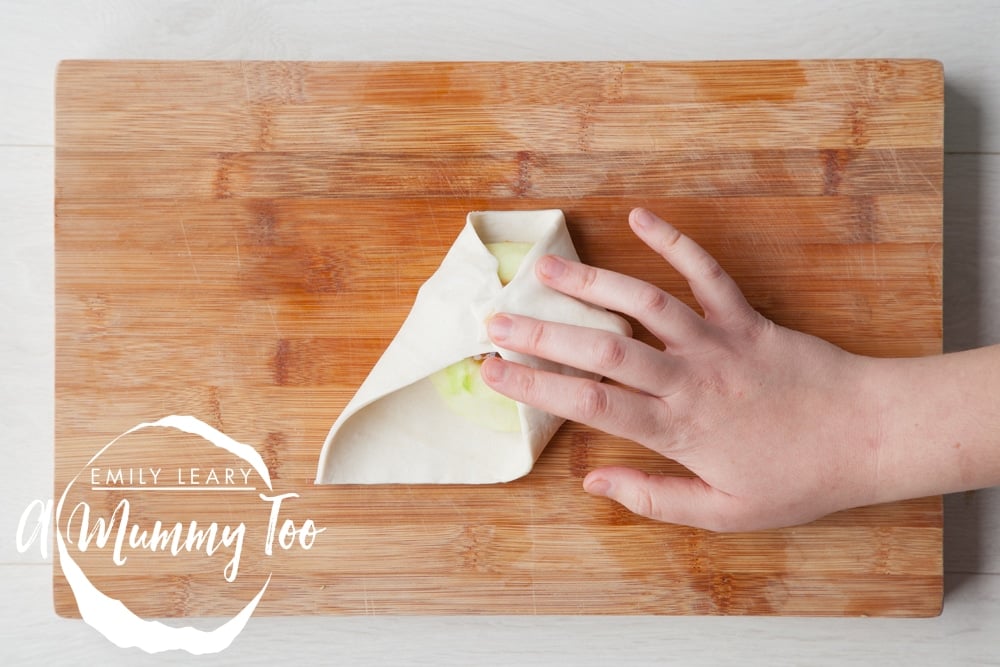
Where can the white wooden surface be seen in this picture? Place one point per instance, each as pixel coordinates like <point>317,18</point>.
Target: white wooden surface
<point>35,35</point>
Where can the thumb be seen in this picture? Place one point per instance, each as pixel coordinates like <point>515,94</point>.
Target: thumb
<point>683,500</point>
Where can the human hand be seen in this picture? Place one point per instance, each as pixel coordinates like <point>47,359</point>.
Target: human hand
<point>776,425</point>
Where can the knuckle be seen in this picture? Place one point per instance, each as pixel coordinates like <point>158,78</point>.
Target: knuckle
<point>755,326</point>
<point>671,238</point>
<point>662,420</point>
<point>643,503</point>
<point>538,336</point>
<point>712,270</point>
<point>611,353</point>
<point>592,401</point>
<point>654,300</point>
<point>646,502</point>
<point>588,276</point>
<point>525,383</point>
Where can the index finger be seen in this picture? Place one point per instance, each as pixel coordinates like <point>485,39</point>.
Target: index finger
<point>665,316</point>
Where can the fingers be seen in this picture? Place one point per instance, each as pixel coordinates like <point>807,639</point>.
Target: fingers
<point>622,359</point>
<point>683,500</point>
<point>611,409</point>
<point>665,316</point>
<point>714,289</point>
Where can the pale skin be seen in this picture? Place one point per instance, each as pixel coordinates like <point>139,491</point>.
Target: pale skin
<point>778,427</point>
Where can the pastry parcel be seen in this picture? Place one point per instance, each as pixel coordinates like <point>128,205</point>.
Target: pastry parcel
<point>423,415</point>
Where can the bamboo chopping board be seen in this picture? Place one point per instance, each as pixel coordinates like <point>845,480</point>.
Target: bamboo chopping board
<point>240,241</point>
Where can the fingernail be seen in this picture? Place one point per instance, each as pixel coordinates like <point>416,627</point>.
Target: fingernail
<point>598,486</point>
<point>642,218</point>
<point>493,370</point>
<point>498,327</point>
<point>551,266</point>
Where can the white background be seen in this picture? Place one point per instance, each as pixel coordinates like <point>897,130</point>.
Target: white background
<point>34,36</point>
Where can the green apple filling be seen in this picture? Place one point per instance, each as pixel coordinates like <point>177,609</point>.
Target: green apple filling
<point>464,392</point>
<point>509,254</point>
<point>460,384</point>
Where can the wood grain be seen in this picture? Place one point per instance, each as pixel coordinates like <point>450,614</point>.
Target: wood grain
<point>239,241</point>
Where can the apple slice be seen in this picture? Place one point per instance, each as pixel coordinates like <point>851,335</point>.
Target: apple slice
<point>509,254</point>
<point>460,385</point>
<point>464,392</point>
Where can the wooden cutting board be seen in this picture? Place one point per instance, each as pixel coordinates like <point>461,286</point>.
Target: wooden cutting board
<point>238,241</point>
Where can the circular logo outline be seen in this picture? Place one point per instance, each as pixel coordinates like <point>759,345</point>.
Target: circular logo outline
<point>117,622</point>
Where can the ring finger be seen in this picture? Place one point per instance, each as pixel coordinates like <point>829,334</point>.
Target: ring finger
<point>622,359</point>
<point>605,407</point>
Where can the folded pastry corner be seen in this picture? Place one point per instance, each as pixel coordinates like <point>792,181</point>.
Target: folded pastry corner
<point>423,415</point>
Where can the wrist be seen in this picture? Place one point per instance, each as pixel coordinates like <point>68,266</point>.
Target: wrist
<point>935,424</point>
<point>871,442</point>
